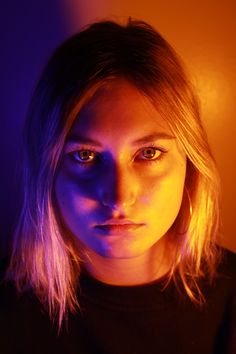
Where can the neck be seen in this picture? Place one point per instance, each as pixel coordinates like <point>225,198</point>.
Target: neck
<point>141,269</point>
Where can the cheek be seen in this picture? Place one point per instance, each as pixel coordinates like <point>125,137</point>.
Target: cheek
<point>73,186</point>
<point>74,200</point>
<point>162,195</point>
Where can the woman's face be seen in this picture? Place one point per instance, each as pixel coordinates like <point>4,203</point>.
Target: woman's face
<point>120,184</point>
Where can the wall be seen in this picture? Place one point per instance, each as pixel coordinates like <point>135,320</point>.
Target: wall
<point>203,32</point>
<point>29,32</point>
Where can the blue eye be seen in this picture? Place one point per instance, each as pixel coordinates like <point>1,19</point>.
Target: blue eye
<point>84,156</point>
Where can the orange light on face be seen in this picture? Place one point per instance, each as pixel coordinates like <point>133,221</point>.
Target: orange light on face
<point>120,186</point>
<point>204,35</point>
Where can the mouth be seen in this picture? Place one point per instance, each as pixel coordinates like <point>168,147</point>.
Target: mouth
<point>117,228</point>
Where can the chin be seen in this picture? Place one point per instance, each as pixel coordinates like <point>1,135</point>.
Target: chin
<point>119,252</point>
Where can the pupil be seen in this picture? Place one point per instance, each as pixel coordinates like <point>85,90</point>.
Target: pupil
<point>149,152</point>
<point>84,155</point>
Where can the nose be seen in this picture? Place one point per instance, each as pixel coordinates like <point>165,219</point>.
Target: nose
<point>119,189</point>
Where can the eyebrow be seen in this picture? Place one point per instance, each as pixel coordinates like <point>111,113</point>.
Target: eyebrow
<point>75,138</point>
<point>153,137</point>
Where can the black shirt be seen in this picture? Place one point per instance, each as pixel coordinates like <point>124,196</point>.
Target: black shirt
<point>126,319</point>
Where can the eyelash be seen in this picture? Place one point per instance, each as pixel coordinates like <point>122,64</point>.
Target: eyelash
<point>86,163</point>
<point>157,149</point>
<point>97,157</point>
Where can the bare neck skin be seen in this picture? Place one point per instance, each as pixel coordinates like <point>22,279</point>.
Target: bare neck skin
<point>143,269</point>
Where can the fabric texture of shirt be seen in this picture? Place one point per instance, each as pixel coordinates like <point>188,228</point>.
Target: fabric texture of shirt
<point>126,319</point>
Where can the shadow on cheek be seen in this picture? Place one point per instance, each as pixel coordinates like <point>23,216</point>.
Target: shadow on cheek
<point>80,194</point>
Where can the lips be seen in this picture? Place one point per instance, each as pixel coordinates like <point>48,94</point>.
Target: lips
<point>114,227</point>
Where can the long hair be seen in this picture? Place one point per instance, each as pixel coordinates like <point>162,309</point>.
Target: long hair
<point>43,258</point>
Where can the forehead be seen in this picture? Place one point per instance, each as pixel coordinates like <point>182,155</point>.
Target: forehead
<point>119,110</point>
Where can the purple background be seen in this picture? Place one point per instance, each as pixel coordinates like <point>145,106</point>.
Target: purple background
<point>30,31</point>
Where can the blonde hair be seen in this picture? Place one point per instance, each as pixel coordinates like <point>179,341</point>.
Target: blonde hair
<point>42,257</point>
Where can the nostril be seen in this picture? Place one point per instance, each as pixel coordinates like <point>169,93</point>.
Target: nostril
<point>119,204</point>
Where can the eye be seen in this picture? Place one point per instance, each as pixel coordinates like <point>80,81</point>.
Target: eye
<point>150,153</point>
<point>84,156</point>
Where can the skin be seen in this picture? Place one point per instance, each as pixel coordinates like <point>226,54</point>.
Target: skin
<point>112,174</point>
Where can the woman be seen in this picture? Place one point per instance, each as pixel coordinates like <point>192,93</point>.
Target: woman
<point>115,249</point>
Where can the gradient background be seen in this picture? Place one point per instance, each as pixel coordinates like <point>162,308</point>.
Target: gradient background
<point>202,32</point>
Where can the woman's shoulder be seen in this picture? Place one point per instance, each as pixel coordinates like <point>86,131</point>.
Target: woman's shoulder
<point>23,320</point>
<point>11,300</point>
<point>227,263</point>
<point>8,293</point>
<point>223,284</point>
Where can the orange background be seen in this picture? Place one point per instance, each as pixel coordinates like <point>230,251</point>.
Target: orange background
<point>203,33</point>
